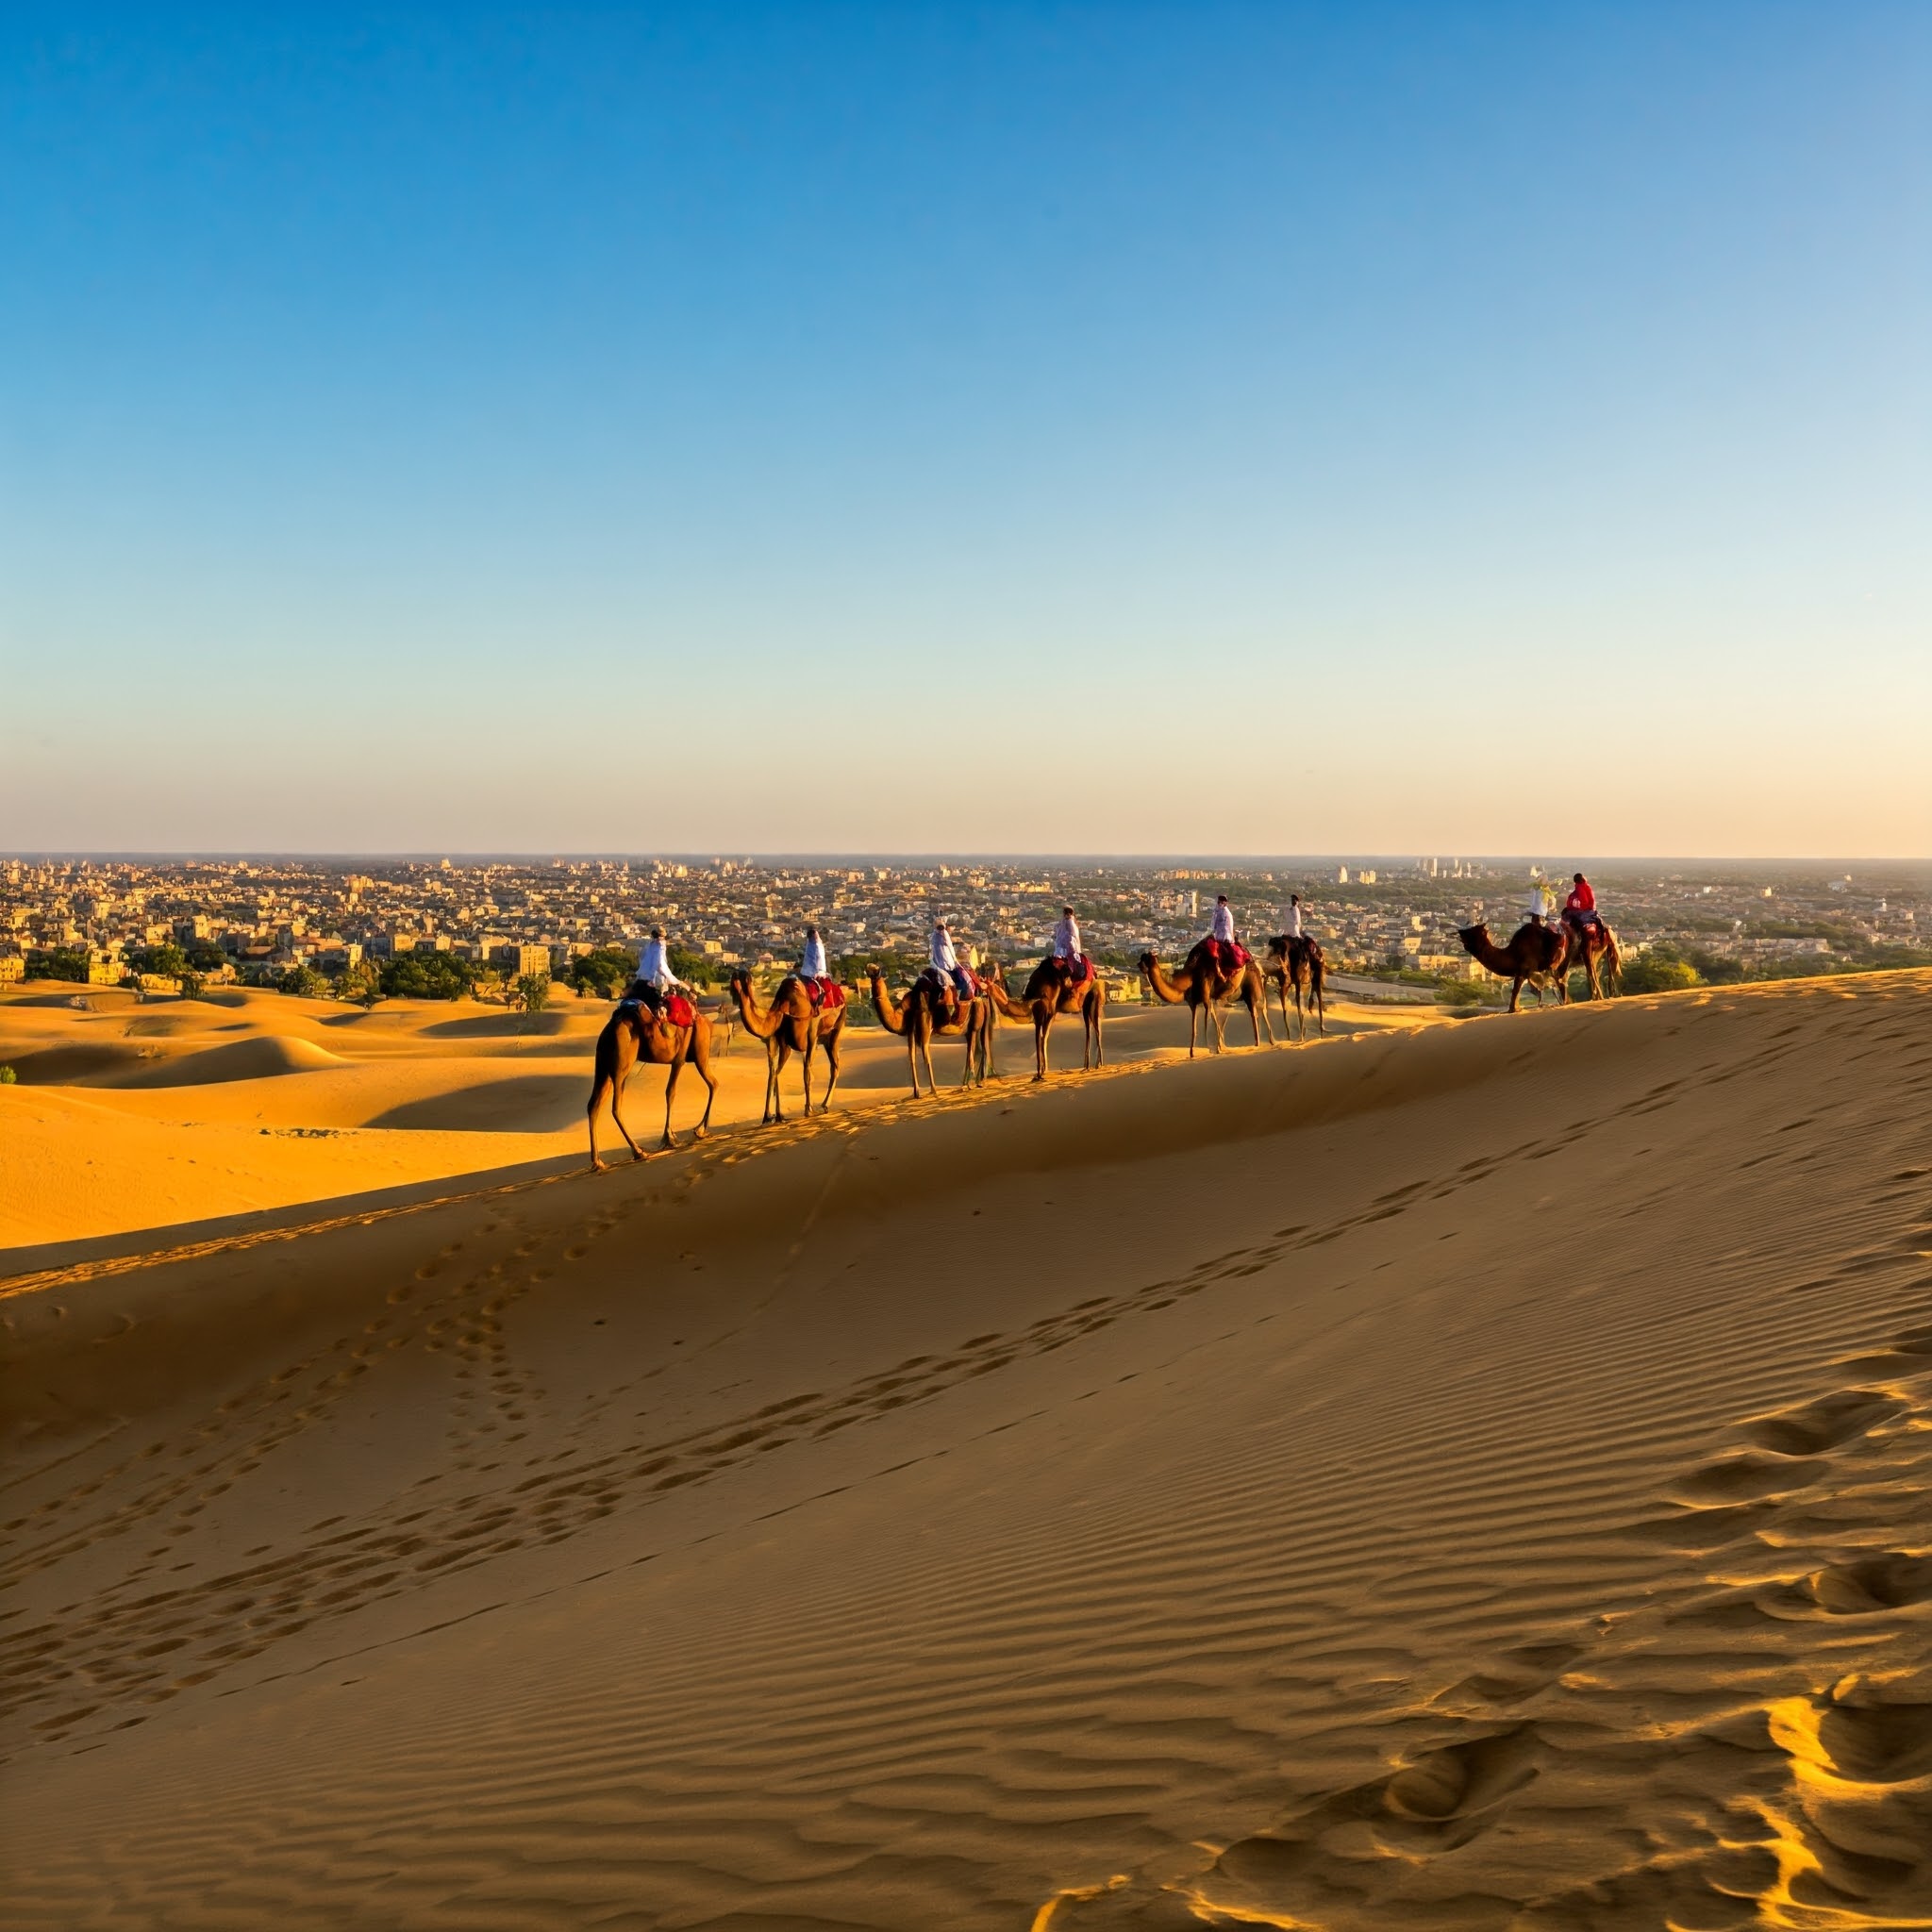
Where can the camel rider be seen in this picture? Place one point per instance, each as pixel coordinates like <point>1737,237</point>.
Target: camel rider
<point>1232,953</point>
<point>811,966</point>
<point>1536,907</point>
<point>655,977</point>
<point>1294,927</point>
<point>1067,956</point>
<point>1579,909</point>
<point>945,962</point>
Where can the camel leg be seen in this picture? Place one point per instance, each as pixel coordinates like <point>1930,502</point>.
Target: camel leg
<point>704,1125</point>
<point>832,1073</point>
<point>590,1115</point>
<point>617,1086</point>
<point>671,1088</point>
<point>1258,1017</point>
<point>771,1079</point>
<point>1041,1028</point>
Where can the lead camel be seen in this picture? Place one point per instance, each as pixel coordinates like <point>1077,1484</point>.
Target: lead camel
<point>631,1039</point>
<point>922,1015</point>
<point>790,1024</point>
<point>1202,983</point>
<point>1536,951</point>
<point>1048,993</point>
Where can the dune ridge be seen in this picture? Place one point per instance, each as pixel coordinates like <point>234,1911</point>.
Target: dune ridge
<point>1474,1477</point>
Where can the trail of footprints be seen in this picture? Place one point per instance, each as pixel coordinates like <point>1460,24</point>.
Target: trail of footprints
<point>141,1642</point>
<point>1755,1748</point>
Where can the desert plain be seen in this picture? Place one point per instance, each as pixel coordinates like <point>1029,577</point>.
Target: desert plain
<point>1453,1474</point>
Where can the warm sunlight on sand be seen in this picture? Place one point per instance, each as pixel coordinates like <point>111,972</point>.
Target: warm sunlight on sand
<point>1469,1475</point>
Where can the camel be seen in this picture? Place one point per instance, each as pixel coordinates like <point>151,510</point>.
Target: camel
<point>790,1024</point>
<point>922,1014</point>
<point>1046,994</point>
<point>1536,951</point>
<point>1202,983</point>
<point>1298,963</point>
<point>630,1037</point>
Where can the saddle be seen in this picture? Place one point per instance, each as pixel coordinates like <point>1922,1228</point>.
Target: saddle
<point>1229,955</point>
<point>680,1012</point>
<point>942,988</point>
<point>827,994</point>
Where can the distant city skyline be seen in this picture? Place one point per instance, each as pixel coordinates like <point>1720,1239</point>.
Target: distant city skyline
<point>963,432</point>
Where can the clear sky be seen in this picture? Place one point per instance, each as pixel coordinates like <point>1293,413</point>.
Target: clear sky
<point>1024,428</point>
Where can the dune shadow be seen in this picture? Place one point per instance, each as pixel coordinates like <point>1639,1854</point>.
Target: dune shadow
<point>499,1027</point>
<point>537,1105</point>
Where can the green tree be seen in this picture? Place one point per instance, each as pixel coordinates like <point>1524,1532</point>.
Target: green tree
<point>695,969</point>
<point>427,976</point>
<point>608,970</point>
<point>58,962</point>
<point>1661,969</point>
<point>8,1076</point>
<point>361,985</point>
<point>168,960</point>
<point>303,981</point>
<point>532,992</point>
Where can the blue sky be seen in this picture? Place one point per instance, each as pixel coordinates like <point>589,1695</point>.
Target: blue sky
<point>1080,427</point>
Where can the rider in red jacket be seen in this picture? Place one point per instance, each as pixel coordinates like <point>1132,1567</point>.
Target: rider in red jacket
<point>1579,909</point>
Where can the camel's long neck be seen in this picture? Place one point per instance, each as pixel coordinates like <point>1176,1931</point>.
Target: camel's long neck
<point>1169,992</point>
<point>1485,949</point>
<point>996,990</point>
<point>892,1013</point>
<point>759,1025</point>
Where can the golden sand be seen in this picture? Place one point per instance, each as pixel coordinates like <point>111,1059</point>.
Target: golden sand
<point>1476,1474</point>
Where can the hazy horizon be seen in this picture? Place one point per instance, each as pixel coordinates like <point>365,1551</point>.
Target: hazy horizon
<point>1250,861</point>
<point>863,428</point>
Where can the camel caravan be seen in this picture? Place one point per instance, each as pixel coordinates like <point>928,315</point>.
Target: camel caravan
<point>659,1024</point>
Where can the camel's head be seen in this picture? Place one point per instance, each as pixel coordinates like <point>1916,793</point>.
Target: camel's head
<point>1473,936</point>
<point>1277,946</point>
<point>1146,962</point>
<point>741,980</point>
<point>873,973</point>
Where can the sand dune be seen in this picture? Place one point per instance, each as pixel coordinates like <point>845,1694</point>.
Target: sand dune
<point>1475,1475</point>
<point>410,1091</point>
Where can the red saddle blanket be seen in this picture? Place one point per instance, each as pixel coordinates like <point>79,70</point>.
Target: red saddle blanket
<point>1075,971</point>
<point>1229,955</point>
<point>827,994</point>
<point>680,1011</point>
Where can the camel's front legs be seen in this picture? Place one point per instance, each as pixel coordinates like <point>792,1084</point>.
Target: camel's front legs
<point>1041,1029</point>
<point>590,1117</point>
<point>770,1080</point>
